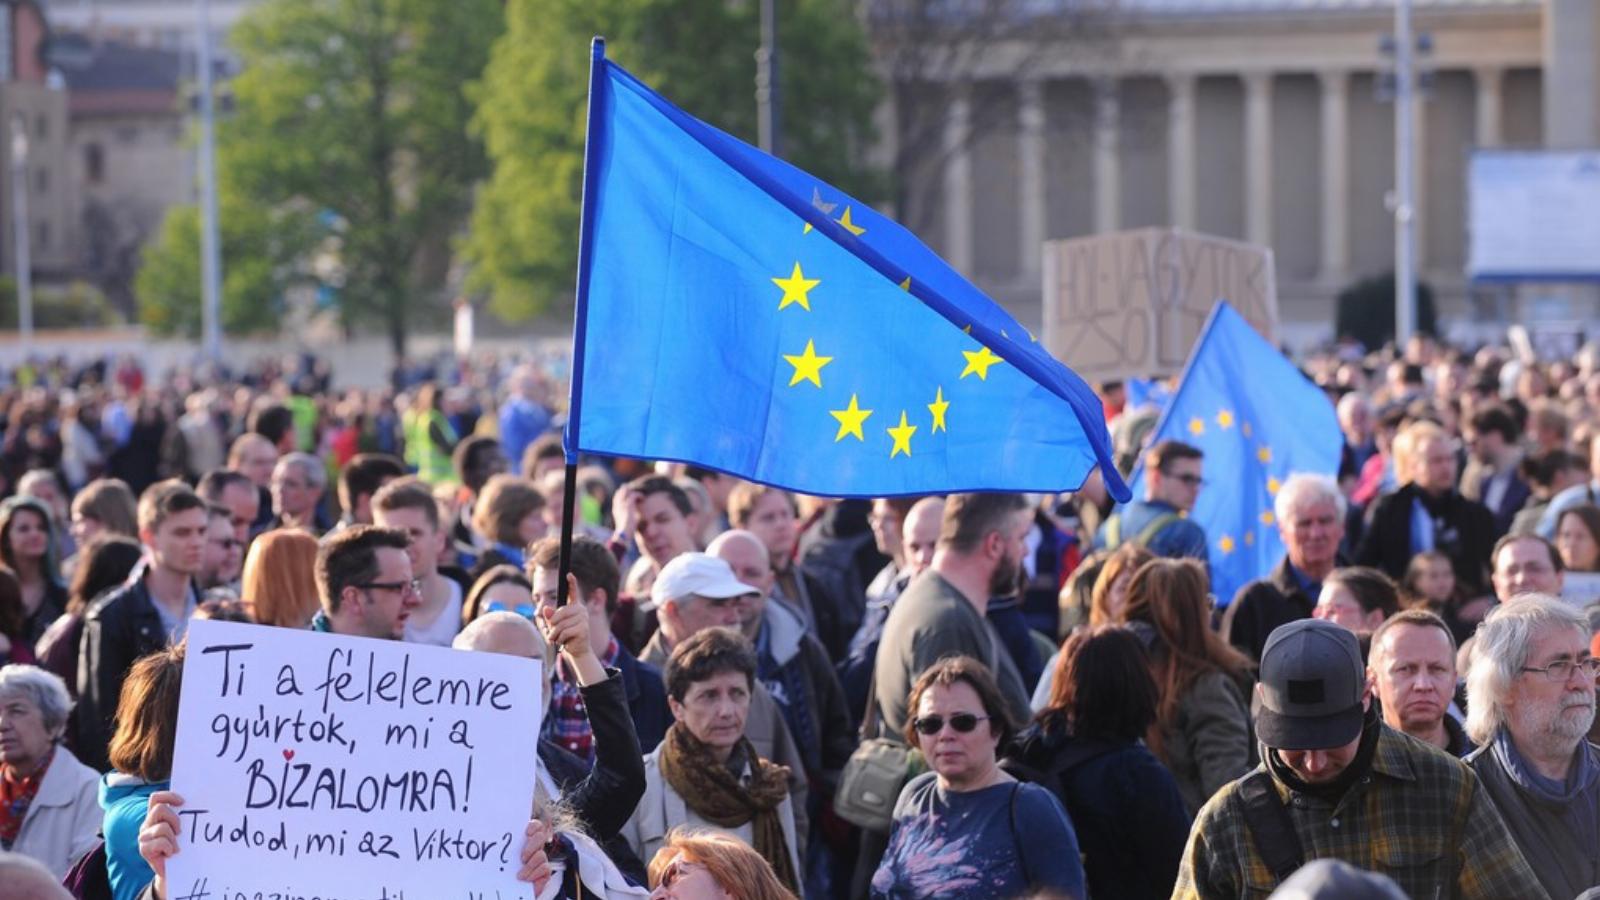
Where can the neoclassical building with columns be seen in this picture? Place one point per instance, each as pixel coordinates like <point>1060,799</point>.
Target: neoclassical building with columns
<point>1262,120</point>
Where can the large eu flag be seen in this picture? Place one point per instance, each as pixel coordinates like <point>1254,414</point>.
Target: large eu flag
<point>739,314</point>
<point>1258,420</point>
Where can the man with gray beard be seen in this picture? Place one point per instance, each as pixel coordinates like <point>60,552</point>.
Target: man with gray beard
<point>1531,696</point>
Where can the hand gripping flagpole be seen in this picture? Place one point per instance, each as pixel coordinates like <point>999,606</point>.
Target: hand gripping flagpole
<point>595,134</point>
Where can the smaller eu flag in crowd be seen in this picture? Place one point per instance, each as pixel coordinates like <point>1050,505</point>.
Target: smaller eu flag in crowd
<point>1258,420</point>
<point>737,313</point>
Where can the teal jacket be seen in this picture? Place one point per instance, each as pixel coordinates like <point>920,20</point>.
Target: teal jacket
<point>126,799</point>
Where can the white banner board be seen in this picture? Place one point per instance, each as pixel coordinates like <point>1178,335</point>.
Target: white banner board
<point>1534,215</point>
<point>1131,304</point>
<point>315,765</point>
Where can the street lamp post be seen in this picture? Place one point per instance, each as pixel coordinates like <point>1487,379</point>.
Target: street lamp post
<point>1405,276</point>
<point>19,231</point>
<point>767,105</point>
<point>210,245</point>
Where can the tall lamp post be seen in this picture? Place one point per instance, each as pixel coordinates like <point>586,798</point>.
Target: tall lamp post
<point>1405,276</point>
<point>210,245</point>
<point>19,231</point>
<point>767,105</point>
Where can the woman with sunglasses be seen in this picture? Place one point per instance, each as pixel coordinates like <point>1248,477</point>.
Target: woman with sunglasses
<point>967,828</point>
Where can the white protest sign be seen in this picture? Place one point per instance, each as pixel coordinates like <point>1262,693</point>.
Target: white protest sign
<point>320,766</point>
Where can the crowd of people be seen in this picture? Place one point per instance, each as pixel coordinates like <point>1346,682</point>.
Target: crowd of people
<point>754,694</point>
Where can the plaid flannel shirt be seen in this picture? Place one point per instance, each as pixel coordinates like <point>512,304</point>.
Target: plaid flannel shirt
<point>567,723</point>
<point>1419,817</point>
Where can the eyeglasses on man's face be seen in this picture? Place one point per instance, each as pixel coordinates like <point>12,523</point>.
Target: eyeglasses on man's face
<point>414,585</point>
<point>1561,670</point>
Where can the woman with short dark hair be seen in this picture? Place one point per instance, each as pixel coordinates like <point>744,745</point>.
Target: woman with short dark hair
<point>706,774</point>
<point>968,829</point>
<point>1085,747</point>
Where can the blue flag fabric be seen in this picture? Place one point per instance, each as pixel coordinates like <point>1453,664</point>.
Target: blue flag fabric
<point>1258,420</point>
<point>744,316</point>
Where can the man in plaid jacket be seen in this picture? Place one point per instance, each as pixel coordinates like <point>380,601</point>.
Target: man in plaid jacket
<point>1337,783</point>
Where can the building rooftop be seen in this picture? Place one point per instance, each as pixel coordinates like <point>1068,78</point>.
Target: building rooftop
<point>113,66</point>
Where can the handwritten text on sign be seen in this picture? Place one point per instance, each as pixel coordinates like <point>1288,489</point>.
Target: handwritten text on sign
<point>1132,304</point>
<point>318,766</point>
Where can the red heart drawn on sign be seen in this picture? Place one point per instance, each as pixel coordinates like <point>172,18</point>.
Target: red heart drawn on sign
<point>288,754</point>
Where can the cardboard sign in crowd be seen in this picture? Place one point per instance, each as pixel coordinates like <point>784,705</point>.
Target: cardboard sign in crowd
<point>319,766</point>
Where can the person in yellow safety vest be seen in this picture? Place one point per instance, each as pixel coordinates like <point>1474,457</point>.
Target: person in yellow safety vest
<point>430,439</point>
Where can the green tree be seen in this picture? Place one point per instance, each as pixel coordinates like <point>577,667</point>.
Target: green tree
<point>168,282</point>
<point>533,99</point>
<point>349,136</point>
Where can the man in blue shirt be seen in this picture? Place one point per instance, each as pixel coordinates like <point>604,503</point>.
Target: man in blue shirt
<point>1159,522</point>
<point>522,417</point>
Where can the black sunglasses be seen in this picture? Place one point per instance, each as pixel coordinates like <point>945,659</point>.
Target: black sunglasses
<point>963,723</point>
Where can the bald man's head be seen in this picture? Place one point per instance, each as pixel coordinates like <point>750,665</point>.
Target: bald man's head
<point>24,878</point>
<point>920,533</point>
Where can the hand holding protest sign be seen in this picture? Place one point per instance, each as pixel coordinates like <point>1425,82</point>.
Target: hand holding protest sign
<point>351,769</point>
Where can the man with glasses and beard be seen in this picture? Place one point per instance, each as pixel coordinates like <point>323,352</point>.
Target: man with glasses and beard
<point>1158,522</point>
<point>1530,701</point>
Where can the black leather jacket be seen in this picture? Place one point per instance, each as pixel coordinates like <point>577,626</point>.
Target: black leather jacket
<point>119,627</point>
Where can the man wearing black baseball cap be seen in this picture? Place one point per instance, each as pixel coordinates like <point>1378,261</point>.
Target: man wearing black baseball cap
<point>1336,783</point>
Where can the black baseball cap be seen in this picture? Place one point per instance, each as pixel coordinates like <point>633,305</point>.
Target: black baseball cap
<point>1311,689</point>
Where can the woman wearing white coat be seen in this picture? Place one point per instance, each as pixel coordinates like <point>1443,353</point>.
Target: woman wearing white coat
<point>705,774</point>
<point>49,806</point>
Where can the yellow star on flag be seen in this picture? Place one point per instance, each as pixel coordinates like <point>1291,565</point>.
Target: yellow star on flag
<point>938,407</point>
<point>808,366</point>
<point>979,362</point>
<point>1267,518</point>
<point>850,420</point>
<point>850,226</point>
<point>902,437</point>
<point>1264,454</point>
<point>1197,426</point>
<point>906,285</point>
<point>1225,419</point>
<point>795,288</point>
<point>1272,485</point>
<point>1226,545</point>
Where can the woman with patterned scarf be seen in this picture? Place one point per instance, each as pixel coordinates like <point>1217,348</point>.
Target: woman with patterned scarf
<point>705,774</point>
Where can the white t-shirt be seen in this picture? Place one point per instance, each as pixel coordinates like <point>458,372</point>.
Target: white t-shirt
<point>444,627</point>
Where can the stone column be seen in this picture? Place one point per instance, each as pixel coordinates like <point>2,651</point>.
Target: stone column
<point>1335,175</point>
<point>1030,163</point>
<point>1107,171</point>
<point>1571,74</point>
<point>1489,130</point>
<point>958,180</point>
<point>1181,149</point>
<point>1258,157</point>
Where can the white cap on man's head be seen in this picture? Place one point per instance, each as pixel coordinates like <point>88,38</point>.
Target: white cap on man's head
<point>696,573</point>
